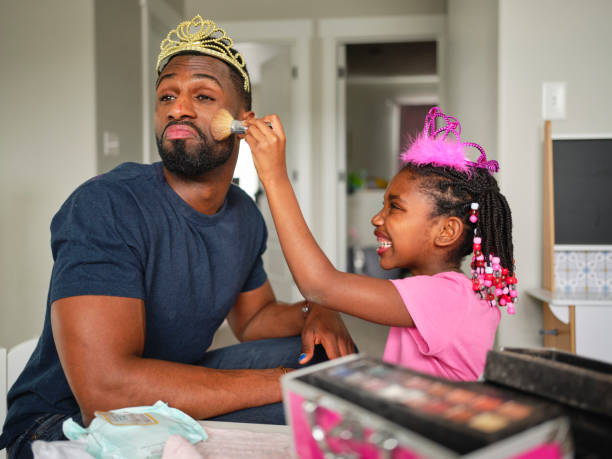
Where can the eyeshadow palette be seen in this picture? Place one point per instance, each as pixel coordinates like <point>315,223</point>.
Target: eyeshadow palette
<point>462,417</point>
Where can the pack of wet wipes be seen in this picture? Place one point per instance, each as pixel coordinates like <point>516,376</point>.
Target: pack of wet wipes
<point>135,432</point>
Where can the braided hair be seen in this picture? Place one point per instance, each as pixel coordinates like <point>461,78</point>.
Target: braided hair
<point>453,192</point>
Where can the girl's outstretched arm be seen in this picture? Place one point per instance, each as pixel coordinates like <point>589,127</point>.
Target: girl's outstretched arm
<point>319,281</point>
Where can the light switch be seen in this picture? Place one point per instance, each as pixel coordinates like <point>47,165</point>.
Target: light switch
<point>110,143</point>
<point>553,100</point>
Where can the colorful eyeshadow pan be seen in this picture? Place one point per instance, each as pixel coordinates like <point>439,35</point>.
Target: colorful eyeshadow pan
<point>460,396</point>
<point>488,422</point>
<point>486,403</point>
<point>435,407</point>
<point>459,414</point>
<point>513,410</point>
<point>438,389</point>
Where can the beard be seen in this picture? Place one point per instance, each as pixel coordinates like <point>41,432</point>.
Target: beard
<point>197,159</point>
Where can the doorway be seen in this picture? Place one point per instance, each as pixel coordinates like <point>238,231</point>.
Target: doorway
<point>337,35</point>
<point>389,87</point>
<point>345,82</point>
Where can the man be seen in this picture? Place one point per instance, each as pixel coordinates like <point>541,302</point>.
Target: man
<point>149,261</point>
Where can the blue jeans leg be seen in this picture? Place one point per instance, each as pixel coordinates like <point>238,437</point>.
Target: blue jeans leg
<point>266,353</point>
<point>47,427</point>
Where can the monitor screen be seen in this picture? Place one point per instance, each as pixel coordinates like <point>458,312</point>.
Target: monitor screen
<point>582,170</point>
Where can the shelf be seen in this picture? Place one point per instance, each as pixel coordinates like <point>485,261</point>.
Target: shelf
<point>571,299</point>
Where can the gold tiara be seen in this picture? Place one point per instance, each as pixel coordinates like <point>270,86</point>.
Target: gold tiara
<point>202,36</point>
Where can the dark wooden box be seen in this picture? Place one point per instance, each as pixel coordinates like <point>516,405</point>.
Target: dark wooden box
<point>582,386</point>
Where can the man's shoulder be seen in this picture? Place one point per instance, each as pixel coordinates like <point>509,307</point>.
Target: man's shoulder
<point>123,189</point>
<point>125,173</point>
<point>118,181</point>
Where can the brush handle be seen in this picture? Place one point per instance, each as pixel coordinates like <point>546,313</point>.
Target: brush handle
<point>238,128</point>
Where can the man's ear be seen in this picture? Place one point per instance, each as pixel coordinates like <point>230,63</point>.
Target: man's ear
<point>247,115</point>
<point>451,229</point>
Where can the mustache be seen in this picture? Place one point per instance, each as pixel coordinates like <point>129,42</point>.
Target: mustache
<point>184,123</point>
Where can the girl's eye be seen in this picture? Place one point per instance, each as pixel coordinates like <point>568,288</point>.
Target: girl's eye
<point>204,97</point>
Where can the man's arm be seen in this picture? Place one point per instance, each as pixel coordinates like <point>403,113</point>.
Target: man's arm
<point>258,315</point>
<point>100,340</point>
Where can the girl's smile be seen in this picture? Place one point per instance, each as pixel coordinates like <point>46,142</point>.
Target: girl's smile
<point>383,242</point>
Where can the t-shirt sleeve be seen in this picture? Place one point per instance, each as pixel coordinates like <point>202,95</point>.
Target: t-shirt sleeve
<point>434,303</point>
<point>93,250</point>
<point>258,275</point>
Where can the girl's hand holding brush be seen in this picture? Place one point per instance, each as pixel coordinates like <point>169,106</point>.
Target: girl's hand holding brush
<point>223,125</point>
<point>266,138</point>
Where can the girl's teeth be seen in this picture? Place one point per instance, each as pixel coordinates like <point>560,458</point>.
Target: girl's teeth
<point>384,244</point>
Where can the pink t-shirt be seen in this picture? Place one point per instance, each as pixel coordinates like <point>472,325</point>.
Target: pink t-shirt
<point>453,330</point>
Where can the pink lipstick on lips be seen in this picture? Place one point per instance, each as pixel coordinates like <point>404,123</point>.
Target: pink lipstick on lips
<point>179,131</point>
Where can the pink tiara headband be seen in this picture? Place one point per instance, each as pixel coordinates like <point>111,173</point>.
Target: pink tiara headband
<point>432,146</point>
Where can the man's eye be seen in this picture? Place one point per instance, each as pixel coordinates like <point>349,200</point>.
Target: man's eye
<point>394,206</point>
<point>165,98</point>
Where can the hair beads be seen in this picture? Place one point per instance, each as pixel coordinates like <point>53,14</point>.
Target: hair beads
<point>495,284</point>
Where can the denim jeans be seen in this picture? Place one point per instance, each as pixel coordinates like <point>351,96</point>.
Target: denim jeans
<point>268,353</point>
<point>47,427</point>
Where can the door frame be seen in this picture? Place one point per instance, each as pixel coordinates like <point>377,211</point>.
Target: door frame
<point>335,34</point>
<point>151,10</point>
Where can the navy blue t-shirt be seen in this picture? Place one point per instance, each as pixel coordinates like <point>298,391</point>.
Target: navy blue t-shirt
<point>128,234</point>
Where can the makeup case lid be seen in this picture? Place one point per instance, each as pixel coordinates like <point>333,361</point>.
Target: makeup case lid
<point>556,375</point>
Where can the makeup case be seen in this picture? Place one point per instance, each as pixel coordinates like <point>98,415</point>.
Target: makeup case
<point>581,386</point>
<point>358,406</point>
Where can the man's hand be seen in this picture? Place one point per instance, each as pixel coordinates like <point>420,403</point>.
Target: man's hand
<point>324,326</point>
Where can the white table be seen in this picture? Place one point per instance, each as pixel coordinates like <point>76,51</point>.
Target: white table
<point>259,428</point>
<point>226,440</point>
<point>590,315</point>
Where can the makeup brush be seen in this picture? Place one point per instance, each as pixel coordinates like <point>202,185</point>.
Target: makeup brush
<point>223,125</point>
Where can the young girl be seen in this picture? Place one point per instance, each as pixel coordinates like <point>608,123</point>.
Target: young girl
<point>439,208</point>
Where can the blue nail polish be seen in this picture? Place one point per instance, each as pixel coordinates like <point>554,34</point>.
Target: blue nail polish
<point>302,356</point>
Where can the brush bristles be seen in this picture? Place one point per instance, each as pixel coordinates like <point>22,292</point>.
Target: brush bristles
<point>221,125</point>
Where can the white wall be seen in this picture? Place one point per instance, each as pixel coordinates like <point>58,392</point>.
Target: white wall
<point>47,144</point>
<point>545,40</point>
<point>471,82</point>
<point>239,10</point>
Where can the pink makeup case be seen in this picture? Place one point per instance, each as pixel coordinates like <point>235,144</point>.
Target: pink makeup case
<point>360,407</point>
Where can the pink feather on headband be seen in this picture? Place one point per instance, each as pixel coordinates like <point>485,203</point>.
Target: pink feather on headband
<point>432,146</point>
<point>438,152</point>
